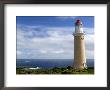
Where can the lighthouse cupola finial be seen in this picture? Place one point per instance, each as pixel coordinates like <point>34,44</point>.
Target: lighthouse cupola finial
<point>78,26</point>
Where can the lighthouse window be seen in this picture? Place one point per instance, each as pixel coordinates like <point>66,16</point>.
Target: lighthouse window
<point>82,38</point>
<point>77,28</point>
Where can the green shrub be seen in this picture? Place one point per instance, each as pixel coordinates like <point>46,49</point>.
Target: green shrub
<point>55,70</point>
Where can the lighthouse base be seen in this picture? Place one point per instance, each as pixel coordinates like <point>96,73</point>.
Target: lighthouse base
<point>80,66</point>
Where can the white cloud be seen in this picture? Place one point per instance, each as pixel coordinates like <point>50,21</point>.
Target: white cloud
<point>66,17</point>
<point>43,51</point>
<point>19,52</point>
<point>55,42</point>
<point>89,41</point>
<point>58,51</point>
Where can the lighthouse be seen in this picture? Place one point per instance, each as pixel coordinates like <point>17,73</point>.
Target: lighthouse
<point>79,46</point>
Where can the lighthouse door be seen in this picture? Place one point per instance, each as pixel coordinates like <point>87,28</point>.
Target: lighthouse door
<point>84,65</point>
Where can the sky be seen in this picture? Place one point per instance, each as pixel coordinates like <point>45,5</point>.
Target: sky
<point>50,37</point>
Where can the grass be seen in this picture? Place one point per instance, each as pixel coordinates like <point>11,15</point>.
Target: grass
<point>55,70</point>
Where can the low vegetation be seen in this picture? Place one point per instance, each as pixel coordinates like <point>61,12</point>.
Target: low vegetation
<point>55,70</point>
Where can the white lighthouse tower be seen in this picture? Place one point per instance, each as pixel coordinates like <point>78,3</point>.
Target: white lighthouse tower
<point>79,47</point>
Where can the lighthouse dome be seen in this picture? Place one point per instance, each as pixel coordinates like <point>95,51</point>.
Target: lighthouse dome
<point>78,26</point>
<point>78,22</point>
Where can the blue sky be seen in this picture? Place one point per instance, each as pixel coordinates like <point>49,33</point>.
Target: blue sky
<point>50,37</point>
<point>61,21</point>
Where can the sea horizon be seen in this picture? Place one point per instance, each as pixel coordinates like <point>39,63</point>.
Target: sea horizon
<point>48,63</point>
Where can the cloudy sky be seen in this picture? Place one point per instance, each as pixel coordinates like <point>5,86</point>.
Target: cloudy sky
<point>50,37</point>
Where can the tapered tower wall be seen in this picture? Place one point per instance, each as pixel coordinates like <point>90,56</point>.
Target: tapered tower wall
<point>79,51</point>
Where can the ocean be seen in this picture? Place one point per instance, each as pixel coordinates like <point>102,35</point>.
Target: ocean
<point>48,63</point>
